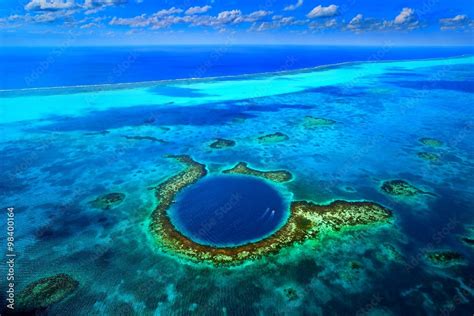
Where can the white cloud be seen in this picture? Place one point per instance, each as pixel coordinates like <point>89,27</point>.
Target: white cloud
<point>278,21</point>
<point>138,21</point>
<point>459,22</point>
<point>102,3</point>
<point>321,26</point>
<point>172,16</point>
<point>50,5</point>
<point>166,12</point>
<point>253,17</point>
<point>161,19</point>
<point>89,25</point>
<point>41,17</point>
<point>90,6</point>
<point>228,16</point>
<point>321,12</point>
<point>360,24</point>
<point>264,26</point>
<point>407,19</point>
<point>292,7</point>
<point>198,10</point>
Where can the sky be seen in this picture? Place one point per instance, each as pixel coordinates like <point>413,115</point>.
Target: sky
<point>147,22</point>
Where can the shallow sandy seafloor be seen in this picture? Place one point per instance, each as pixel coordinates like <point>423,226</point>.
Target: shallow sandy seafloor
<point>63,149</point>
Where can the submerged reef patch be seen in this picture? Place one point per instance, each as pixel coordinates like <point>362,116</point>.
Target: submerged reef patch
<point>104,132</point>
<point>150,138</point>
<point>428,156</point>
<point>221,143</point>
<point>108,201</point>
<point>401,188</point>
<point>306,220</point>
<point>389,252</point>
<point>445,258</point>
<point>46,291</point>
<point>314,122</point>
<point>291,294</point>
<point>273,138</point>
<point>277,175</point>
<point>432,142</point>
<point>468,241</point>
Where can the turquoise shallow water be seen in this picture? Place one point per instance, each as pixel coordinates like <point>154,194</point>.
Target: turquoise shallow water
<point>61,148</point>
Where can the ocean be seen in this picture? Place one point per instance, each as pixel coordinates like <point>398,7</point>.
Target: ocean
<point>72,66</point>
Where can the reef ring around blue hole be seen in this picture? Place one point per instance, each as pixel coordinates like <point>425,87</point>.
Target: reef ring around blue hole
<point>229,210</point>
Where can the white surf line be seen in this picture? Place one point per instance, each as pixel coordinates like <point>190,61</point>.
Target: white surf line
<point>142,84</point>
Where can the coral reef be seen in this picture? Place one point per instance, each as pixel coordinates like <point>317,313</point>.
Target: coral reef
<point>273,138</point>
<point>444,258</point>
<point>108,201</point>
<point>391,253</point>
<point>150,138</point>
<point>46,291</point>
<point>104,132</point>
<point>277,175</point>
<point>401,188</point>
<point>349,189</point>
<point>306,220</point>
<point>291,294</point>
<point>432,142</point>
<point>239,119</point>
<point>222,143</point>
<point>468,241</point>
<point>314,122</point>
<point>351,272</point>
<point>468,238</point>
<point>428,156</point>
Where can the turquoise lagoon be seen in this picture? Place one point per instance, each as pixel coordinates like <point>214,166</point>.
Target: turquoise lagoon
<point>61,148</point>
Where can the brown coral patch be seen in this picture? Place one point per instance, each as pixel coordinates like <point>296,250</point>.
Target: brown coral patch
<point>273,138</point>
<point>108,201</point>
<point>221,143</point>
<point>46,291</point>
<point>277,175</point>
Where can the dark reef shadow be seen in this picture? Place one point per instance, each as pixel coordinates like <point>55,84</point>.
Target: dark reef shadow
<point>201,115</point>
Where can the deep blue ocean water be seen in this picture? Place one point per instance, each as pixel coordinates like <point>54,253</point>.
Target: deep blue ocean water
<point>228,210</point>
<point>69,66</point>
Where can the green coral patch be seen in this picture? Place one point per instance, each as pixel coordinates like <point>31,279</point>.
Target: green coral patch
<point>432,142</point>
<point>108,201</point>
<point>314,122</point>
<point>428,156</point>
<point>273,138</point>
<point>149,138</point>
<point>445,258</point>
<point>221,143</point>
<point>46,291</point>
<point>277,175</point>
<point>401,188</point>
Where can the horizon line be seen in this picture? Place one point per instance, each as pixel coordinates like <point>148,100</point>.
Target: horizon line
<point>469,45</point>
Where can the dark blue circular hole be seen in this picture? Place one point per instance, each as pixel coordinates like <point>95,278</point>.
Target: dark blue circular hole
<point>228,210</point>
